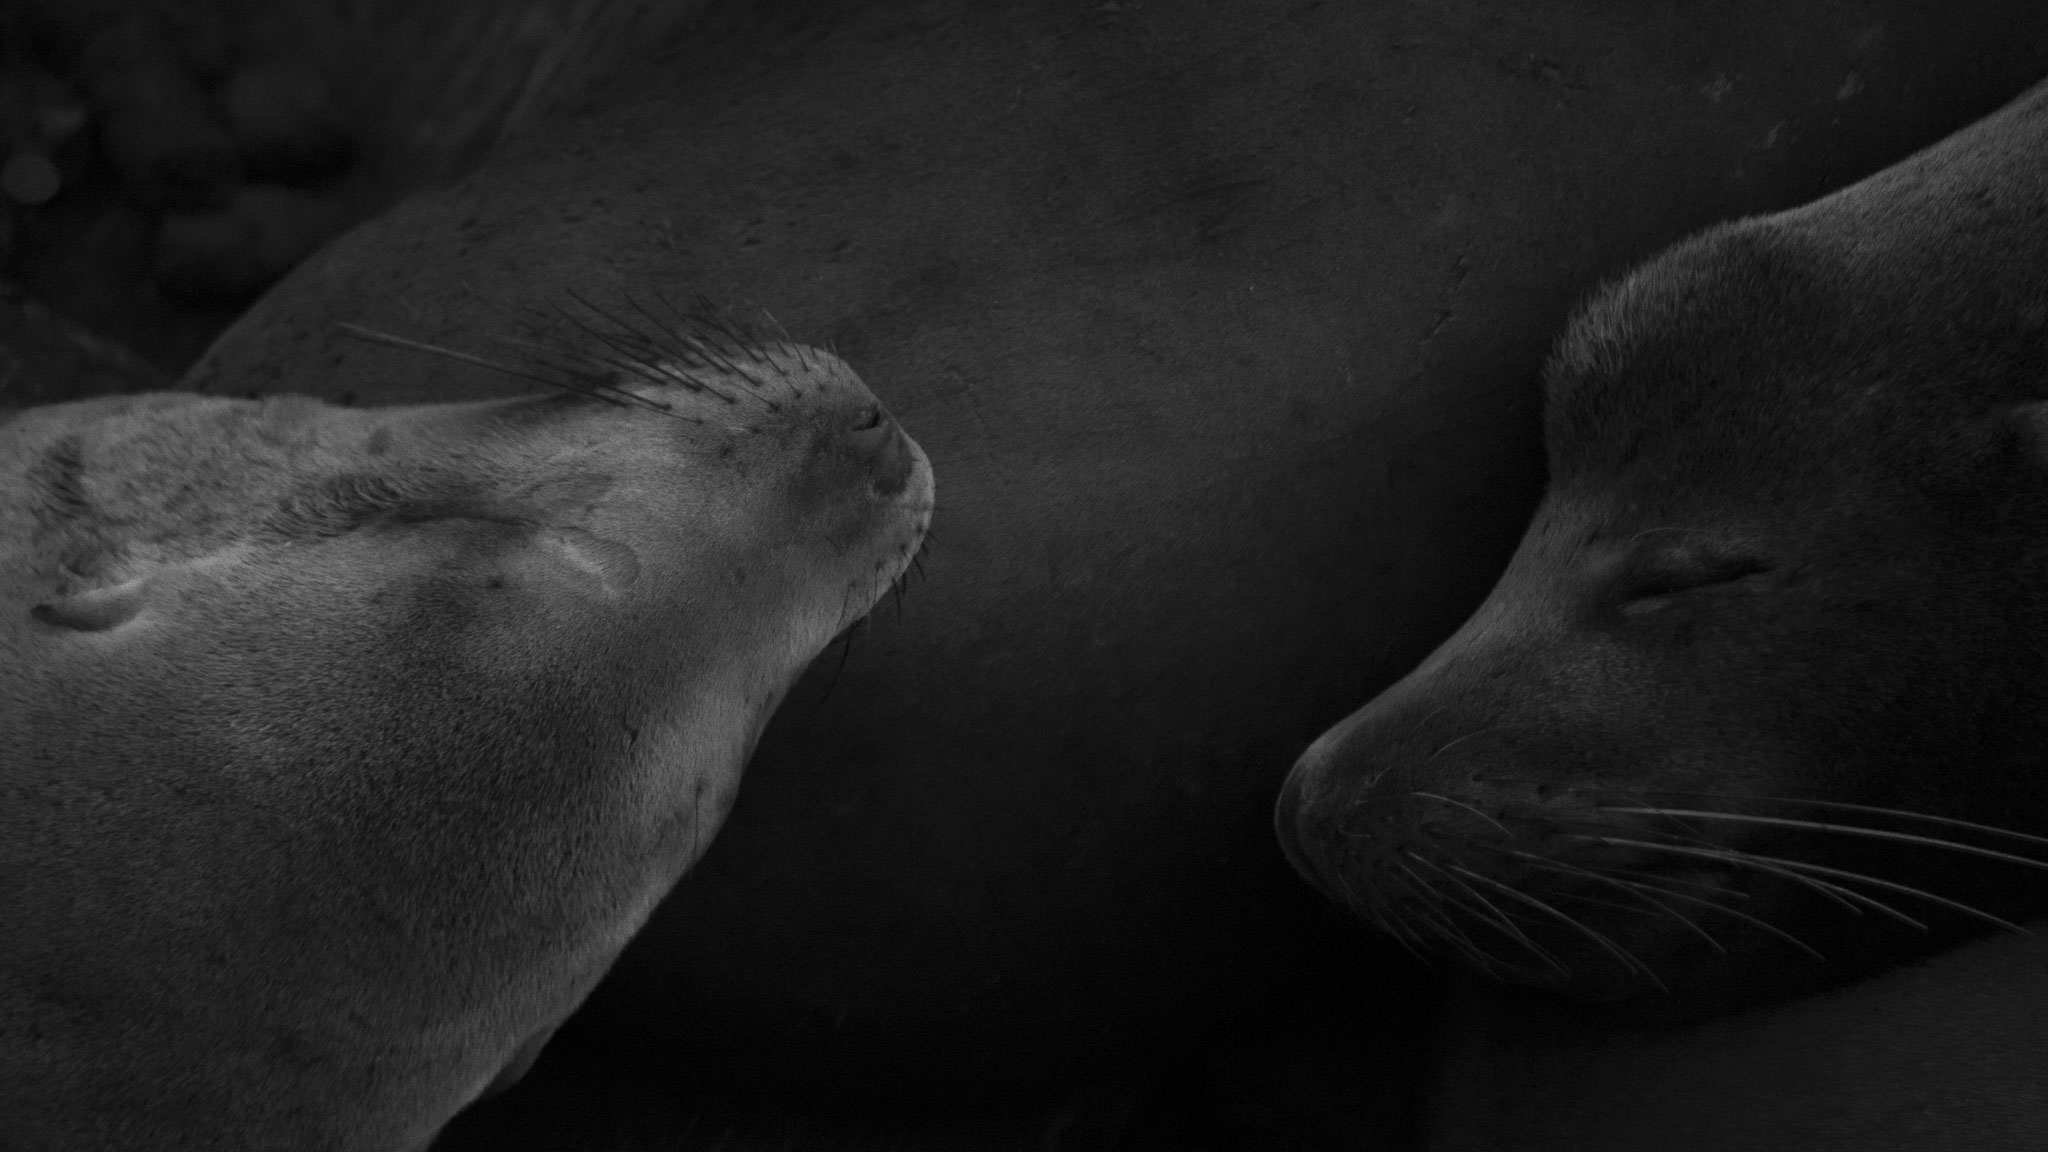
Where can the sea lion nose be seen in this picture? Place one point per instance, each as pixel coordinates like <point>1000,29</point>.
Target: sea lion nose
<point>876,438</point>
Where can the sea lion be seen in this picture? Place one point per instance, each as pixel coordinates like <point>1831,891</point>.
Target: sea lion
<point>1755,706</point>
<point>1220,318</point>
<point>342,749</point>
<point>1939,1056</point>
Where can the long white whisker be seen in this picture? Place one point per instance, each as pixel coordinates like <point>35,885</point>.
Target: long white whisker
<point>1845,829</point>
<point>1846,897</point>
<point>1628,959</point>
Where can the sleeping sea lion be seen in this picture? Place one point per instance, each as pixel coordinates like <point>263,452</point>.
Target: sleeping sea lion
<point>1756,706</point>
<point>341,750</point>
<point>1220,318</point>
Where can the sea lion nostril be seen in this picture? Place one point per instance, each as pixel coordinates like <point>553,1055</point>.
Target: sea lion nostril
<point>890,459</point>
<point>870,432</point>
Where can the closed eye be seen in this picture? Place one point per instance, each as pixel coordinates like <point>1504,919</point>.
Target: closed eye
<point>1651,589</point>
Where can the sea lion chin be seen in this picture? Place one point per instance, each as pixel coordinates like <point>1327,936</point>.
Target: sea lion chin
<point>1754,708</point>
<point>343,749</point>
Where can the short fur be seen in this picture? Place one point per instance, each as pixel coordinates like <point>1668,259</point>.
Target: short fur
<point>342,750</point>
<point>1777,626</point>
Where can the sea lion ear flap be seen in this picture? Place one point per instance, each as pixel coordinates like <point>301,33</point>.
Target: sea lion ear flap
<point>96,609</point>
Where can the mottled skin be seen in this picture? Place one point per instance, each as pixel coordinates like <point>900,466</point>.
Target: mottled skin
<point>343,749</point>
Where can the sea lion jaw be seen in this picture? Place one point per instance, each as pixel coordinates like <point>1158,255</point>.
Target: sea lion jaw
<point>374,734</point>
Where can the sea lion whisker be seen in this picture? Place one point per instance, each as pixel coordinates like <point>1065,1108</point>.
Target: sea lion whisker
<point>1382,908</point>
<point>1428,716</point>
<point>1876,810</point>
<point>1757,921</point>
<point>1621,875</point>
<point>1638,875</point>
<point>699,328</point>
<point>623,332</point>
<point>607,393</point>
<point>662,374</point>
<point>1909,890</point>
<point>1443,930</point>
<point>630,363</point>
<point>1390,919</point>
<point>707,325</point>
<point>1493,913</point>
<point>623,335</point>
<point>661,334</point>
<point>599,371</point>
<point>1628,959</point>
<point>1459,739</point>
<point>373,336</point>
<point>1672,826</point>
<point>601,312</point>
<point>1847,897</point>
<point>683,341</point>
<point>719,317</point>
<point>627,365</point>
<point>1844,829</point>
<point>1628,909</point>
<point>1431,908</point>
<point>1467,807</point>
<point>776,324</point>
<point>614,340</point>
<point>1632,889</point>
<point>650,360</point>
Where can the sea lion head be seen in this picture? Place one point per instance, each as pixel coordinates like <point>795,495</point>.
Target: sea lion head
<point>1762,684</point>
<point>342,749</point>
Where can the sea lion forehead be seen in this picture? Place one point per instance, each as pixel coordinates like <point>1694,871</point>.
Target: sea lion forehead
<point>1759,349</point>
<point>1732,316</point>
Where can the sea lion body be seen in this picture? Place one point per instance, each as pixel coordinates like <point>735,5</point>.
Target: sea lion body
<point>1755,706</point>
<point>343,749</point>
<point>1219,318</point>
<point>1937,1056</point>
